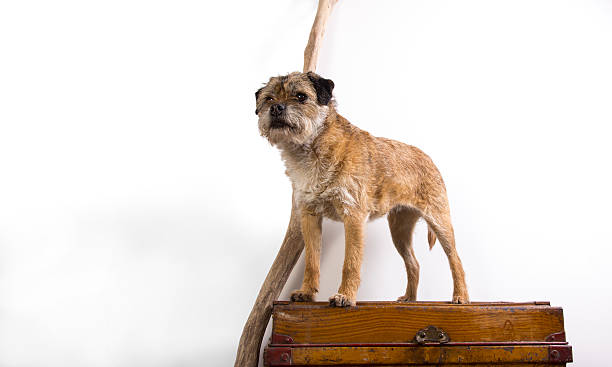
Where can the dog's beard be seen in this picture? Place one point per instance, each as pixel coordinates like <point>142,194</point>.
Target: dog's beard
<point>294,127</point>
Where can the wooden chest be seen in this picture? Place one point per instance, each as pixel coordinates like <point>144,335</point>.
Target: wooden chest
<point>417,334</point>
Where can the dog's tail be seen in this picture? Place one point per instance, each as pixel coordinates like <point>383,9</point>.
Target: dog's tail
<point>431,237</point>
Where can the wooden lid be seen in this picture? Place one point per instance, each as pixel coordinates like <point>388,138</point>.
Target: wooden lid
<point>483,323</point>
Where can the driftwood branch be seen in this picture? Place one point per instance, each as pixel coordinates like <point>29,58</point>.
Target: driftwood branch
<point>255,327</point>
<point>311,53</point>
<point>293,244</point>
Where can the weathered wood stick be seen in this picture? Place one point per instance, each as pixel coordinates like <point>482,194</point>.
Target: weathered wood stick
<point>255,327</point>
<point>293,244</point>
<point>311,53</point>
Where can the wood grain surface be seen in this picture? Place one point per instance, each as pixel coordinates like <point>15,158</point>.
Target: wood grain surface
<point>329,356</point>
<point>391,322</point>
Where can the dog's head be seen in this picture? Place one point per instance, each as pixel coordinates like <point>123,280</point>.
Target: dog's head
<point>292,108</point>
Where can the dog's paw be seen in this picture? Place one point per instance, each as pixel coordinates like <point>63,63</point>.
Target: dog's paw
<point>301,296</point>
<point>461,299</point>
<point>406,299</point>
<point>340,300</point>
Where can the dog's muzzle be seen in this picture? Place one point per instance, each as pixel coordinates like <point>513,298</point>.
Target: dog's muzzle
<point>278,124</point>
<point>276,110</point>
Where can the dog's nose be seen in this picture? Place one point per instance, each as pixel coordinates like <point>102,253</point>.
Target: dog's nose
<point>277,109</point>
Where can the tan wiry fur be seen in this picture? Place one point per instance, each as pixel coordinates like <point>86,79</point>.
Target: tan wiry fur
<point>341,172</point>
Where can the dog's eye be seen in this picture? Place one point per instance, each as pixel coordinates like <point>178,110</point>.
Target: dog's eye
<point>268,98</point>
<point>301,97</point>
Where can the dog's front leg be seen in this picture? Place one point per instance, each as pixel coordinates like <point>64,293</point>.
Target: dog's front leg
<point>311,231</point>
<point>353,254</point>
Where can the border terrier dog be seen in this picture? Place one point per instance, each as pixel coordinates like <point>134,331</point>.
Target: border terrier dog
<point>343,173</point>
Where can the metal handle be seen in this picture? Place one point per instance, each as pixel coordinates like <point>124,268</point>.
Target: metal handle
<point>431,334</point>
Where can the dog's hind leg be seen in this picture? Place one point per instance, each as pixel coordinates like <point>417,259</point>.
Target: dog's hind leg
<point>401,223</point>
<point>439,221</point>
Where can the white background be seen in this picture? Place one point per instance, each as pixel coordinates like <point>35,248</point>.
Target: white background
<point>140,210</point>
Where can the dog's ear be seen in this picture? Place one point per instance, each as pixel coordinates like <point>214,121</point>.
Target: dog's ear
<point>323,87</point>
<point>256,98</point>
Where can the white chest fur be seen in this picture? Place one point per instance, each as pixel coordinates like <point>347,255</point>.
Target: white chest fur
<point>315,183</point>
<point>309,178</point>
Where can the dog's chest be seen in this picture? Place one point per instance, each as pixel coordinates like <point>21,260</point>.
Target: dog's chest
<point>316,186</point>
<point>311,182</point>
